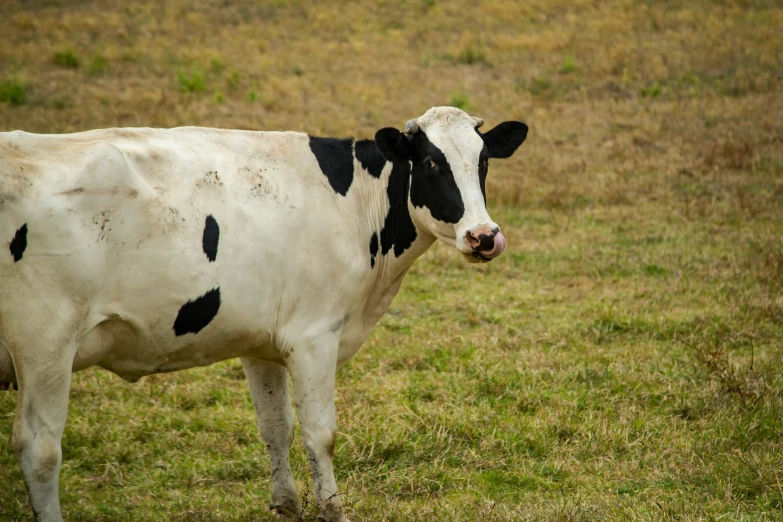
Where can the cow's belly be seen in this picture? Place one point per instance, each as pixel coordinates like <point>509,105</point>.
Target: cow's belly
<point>122,347</point>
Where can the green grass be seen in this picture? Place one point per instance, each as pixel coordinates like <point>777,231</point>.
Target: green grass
<point>620,361</point>
<point>66,58</point>
<point>460,100</point>
<point>98,64</point>
<point>13,92</point>
<point>192,81</point>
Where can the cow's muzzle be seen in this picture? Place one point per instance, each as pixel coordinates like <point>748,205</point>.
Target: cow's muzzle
<point>486,244</point>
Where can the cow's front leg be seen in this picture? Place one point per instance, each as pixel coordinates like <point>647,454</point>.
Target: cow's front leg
<point>269,389</point>
<point>41,409</point>
<point>313,375</point>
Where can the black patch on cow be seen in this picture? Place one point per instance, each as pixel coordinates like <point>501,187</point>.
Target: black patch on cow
<point>483,168</point>
<point>195,315</point>
<point>398,228</point>
<point>369,155</point>
<point>210,240</point>
<point>335,157</point>
<point>373,248</point>
<point>435,188</point>
<point>19,243</point>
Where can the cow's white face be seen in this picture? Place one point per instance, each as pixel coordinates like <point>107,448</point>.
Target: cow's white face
<point>449,162</point>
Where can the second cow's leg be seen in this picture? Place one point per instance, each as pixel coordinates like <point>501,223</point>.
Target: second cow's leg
<point>313,375</point>
<point>269,389</point>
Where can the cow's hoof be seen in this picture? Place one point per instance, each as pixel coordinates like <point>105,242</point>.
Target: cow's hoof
<point>330,514</point>
<point>287,509</point>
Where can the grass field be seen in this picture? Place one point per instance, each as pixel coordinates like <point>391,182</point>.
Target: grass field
<point>623,360</point>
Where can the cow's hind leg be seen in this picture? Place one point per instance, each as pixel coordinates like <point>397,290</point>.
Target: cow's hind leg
<point>313,375</point>
<point>44,380</point>
<point>269,389</point>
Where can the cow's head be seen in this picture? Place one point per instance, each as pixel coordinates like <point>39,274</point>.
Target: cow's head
<point>449,159</point>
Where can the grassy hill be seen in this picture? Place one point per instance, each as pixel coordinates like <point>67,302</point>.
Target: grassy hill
<point>621,361</point>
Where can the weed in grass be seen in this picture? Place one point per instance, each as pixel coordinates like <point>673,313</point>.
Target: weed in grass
<point>459,99</point>
<point>626,77</point>
<point>540,86</point>
<point>471,55</point>
<point>66,58</point>
<point>568,66</point>
<point>655,270</point>
<point>97,65</point>
<point>130,57</point>
<point>216,66</point>
<point>652,91</point>
<point>233,80</point>
<point>471,52</point>
<point>13,91</point>
<point>219,97</point>
<point>59,101</point>
<point>192,82</point>
<point>738,379</point>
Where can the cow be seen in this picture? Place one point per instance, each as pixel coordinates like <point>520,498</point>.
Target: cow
<point>154,250</point>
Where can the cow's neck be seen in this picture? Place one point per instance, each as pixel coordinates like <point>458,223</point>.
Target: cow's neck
<point>395,241</point>
<point>389,273</point>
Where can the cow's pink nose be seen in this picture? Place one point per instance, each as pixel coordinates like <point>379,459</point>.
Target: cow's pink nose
<point>488,243</point>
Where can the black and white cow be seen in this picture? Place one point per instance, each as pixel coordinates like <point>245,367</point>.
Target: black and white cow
<point>148,250</point>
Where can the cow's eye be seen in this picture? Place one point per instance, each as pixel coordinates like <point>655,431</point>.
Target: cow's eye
<point>431,165</point>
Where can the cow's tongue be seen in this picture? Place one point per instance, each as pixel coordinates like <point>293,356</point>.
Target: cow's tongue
<point>497,248</point>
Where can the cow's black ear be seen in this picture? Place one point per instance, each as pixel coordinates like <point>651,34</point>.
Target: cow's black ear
<point>393,144</point>
<point>504,139</point>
